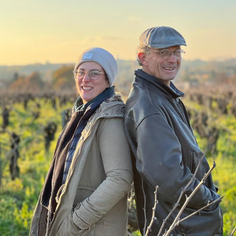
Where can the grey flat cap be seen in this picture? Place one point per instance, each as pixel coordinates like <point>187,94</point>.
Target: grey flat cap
<point>161,37</point>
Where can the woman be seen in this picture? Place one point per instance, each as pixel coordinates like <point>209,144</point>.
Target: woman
<point>85,191</point>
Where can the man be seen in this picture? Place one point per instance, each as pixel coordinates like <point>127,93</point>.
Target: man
<point>165,151</point>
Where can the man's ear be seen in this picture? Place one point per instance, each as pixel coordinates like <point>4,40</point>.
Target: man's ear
<point>142,58</point>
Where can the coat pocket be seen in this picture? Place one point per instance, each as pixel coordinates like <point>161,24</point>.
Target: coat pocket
<point>69,228</point>
<point>203,223</point>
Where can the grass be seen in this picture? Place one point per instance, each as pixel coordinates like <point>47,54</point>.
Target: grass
<point>18,197</point>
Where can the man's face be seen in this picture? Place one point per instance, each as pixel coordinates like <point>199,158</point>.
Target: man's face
<point>163,69</point>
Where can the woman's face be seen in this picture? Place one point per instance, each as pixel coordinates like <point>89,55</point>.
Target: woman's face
<point>88,88</point>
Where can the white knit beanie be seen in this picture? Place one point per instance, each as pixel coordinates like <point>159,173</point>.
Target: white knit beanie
<point>103,58</point>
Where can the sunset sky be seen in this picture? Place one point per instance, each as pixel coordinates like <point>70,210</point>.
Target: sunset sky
<point>57,31</point>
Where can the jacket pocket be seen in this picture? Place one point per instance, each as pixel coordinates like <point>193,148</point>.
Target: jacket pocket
<point>69,228</point>
<point>203,223</point>
<point>81,194</point>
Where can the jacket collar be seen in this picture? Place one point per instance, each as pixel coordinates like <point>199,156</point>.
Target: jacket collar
<point>172,90</point>
<point>79,106</point>
<point>111,107</point>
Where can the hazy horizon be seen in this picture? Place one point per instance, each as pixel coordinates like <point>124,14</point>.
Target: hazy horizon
<point>72,63</point>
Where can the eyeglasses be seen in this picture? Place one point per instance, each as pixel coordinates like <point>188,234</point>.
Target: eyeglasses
<point>166,53</point>
<point>92,74</point>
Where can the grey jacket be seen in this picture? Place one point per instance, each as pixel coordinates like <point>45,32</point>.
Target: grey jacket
<point>165,153</point>
<point>93,200</point>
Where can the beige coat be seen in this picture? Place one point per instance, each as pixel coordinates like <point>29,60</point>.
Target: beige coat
<point>94,197</point>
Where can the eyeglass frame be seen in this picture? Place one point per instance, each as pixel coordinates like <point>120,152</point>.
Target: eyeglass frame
<point>75,72</point>
<point>170,53</point>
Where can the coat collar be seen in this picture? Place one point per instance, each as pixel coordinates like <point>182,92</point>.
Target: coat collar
<point>172,90</point>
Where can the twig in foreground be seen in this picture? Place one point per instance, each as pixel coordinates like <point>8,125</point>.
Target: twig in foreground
<point>195,212</point>
<point>233,231</point>
<point>173,225</point>
<point>153,212</point>
<point>180,196</point>
<point>144,209</point>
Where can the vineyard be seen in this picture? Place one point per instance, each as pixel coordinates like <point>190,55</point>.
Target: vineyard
<point>30,124</point>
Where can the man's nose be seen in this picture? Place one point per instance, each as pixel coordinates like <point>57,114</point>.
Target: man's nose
<point>172,57</point>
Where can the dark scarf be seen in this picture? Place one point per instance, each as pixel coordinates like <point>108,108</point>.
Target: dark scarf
<point>78,120</point>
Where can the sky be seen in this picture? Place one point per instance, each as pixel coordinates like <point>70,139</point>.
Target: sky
<point>58,31</point>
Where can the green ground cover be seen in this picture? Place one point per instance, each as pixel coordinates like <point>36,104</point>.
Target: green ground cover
<point>18,197</point>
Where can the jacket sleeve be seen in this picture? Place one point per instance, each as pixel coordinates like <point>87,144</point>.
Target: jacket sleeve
<point>116,159</point>
<point>159,162</point>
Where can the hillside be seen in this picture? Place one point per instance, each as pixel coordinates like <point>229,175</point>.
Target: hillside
<point>193,72</point>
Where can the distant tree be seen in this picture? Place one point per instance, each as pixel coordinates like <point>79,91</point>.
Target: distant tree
<point>15,76</point>
<point>64,83</point>
<point>63,78</point>
<point>34,82</point>
<point>18,85</point>
<point>25,84</point>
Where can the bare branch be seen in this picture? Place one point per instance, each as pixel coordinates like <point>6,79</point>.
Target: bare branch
<point>129,234</point>
<point>233,231</point>
<point>144,209</point>
<point>173,225</point>
<point>180,197</point>
<point>194,213</point>
<point>153,212</point>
